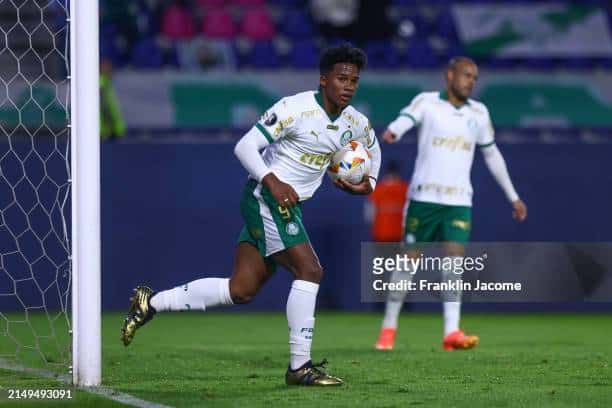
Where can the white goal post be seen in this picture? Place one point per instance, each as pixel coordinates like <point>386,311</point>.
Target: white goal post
<point>85,164</point>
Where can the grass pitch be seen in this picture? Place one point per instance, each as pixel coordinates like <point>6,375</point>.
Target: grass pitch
<point>239,359</point>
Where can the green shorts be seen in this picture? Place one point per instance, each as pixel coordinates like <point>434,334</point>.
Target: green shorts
<point>271,228</point>
<point>429,222</point>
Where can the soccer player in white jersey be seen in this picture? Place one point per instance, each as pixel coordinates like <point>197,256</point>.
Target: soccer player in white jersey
<point>451,126</point>
<point>298,135</point>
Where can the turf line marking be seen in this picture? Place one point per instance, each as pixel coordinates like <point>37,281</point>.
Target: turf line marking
<point>67,379</point>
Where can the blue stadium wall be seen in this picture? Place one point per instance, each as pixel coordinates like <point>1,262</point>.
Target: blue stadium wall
<point>170,214</point>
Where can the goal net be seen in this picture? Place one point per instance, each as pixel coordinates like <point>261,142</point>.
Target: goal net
<point>49,217</point>
<point>35,262</point>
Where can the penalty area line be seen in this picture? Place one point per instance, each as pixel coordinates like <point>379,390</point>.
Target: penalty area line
<point>66,379</point>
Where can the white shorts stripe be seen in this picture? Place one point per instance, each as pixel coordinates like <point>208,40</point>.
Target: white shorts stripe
<point>273,240</point>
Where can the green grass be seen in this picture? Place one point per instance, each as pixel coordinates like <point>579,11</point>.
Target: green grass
<point>239,359</point>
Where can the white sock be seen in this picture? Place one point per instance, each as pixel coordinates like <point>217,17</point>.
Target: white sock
<point>452,314</point>
<point>196,295</point>
<point>452,309</point>
<point>300,316</point>
<point>395,300</point>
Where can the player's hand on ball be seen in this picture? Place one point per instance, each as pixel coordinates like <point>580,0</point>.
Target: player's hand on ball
<point>363,188</point>
<point>389,137</point>
<point>519,212</point>
<point>283,193</point>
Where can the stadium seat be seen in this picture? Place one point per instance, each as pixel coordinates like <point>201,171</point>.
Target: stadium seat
<point>146,54</point>
<point>445,25</point>
<point>249,2</point>
<point>177,24</point>
<point>263,55</point>
<point>288,3</point>
<point>420,55</point>
<point>257,25</point>
<point>297,24</point>
<point>304,54</point>
<point>218,23</point>
<point>204,4</point>
<point>382,54</point>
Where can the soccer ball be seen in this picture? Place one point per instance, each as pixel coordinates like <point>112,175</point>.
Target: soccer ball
<point>351,163</point>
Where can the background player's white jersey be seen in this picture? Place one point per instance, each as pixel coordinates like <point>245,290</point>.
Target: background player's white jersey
<point>447,139</point>
<point>303,139</point>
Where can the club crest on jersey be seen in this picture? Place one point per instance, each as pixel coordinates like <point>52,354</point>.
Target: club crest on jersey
<point>346,137</point>
<point>271,120</point>
<point>292,228</point>
<point>472,124</point>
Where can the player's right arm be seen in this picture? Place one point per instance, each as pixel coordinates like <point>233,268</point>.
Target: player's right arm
<point>272,126</point>
<point>408,118</point>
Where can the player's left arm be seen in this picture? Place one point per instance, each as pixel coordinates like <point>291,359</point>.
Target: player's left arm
<point>368,184</point>
<point>497,166</point>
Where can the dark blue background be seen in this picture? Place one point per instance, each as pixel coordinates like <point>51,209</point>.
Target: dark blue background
<point>170,213</point>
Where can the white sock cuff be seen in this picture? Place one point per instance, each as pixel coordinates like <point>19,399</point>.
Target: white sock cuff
<point>224,292</point>
<point>305,286</point>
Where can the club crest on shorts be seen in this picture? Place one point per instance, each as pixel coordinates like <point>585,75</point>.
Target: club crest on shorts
<point>346,137</point>
<point>292,228</point>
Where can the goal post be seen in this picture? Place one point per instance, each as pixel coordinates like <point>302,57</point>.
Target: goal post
<point>85,164</point>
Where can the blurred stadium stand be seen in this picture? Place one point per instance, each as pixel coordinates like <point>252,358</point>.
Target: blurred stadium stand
<point>424,34</point>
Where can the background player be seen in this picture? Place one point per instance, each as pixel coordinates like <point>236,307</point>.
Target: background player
<point>451,126</point>
<point>300,134</point>
<point>385,206</point>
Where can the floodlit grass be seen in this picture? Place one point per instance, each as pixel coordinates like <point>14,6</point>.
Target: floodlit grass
<point>239,359</point>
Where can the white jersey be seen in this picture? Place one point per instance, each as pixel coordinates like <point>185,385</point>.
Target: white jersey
<point>447,139</point>
<point>303,139</point>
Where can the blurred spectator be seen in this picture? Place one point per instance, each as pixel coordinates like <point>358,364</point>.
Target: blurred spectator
<point>385,206</point>
<point>176,22</point>
<point>336,18</point>
<point>206,54</point>
<point>119,15</point>
<point>112,125</point>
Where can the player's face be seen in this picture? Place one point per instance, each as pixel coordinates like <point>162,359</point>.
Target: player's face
<point>462,79</point>
<point>341,84</point>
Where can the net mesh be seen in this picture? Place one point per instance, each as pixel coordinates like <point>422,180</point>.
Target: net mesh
<point>35,260</point>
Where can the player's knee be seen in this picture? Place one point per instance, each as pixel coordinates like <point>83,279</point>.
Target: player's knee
<point>242,298</point>
<point>242,295</point>
<point>311,273</point>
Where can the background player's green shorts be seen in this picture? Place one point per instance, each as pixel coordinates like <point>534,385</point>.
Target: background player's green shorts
<point>429,222</point>
<point>268,226</point>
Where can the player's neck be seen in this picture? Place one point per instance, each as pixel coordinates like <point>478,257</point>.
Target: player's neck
<point>456,101</point>
<point>330,108</point>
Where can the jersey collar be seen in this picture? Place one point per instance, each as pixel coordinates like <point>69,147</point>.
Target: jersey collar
<point>319,99</point>
<point>444,96</point>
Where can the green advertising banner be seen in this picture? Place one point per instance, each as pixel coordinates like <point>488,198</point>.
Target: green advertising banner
<point>237,101</point>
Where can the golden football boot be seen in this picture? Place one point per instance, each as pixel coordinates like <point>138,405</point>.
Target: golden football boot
<point>140,313</point>
<point>311,374</point>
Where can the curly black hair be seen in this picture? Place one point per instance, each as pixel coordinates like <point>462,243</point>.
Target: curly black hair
<point>343,53</point>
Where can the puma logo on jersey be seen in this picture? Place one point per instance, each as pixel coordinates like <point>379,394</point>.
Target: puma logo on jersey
<point>315,134</point>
